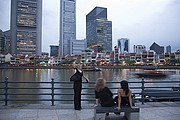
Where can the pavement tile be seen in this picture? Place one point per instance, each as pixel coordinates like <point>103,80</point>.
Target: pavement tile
<point>27,113</point>
<point>8,116</point>
<point>85,114</point>
<point>48,118</point>
<point>65,111</point>
<point>46,112</point>
<point>29,118</point>
<point>68,117</point>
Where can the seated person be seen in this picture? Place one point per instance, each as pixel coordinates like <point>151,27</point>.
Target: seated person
<point>103,94</point>
<point>124,95</point>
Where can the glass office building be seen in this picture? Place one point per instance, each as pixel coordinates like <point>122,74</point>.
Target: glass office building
<point>67,26</point>
<point>123,45</point>
<point>26,27</point>
<point>99,29</point>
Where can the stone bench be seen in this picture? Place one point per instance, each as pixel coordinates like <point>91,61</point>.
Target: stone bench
<point>130,114</point>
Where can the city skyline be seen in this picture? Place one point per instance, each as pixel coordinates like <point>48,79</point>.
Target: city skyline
<point>142,21</point>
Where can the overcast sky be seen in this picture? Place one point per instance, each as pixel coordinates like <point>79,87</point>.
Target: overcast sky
<point>142,21</point>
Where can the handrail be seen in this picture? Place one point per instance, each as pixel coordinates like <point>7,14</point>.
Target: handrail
<point>52,87</point>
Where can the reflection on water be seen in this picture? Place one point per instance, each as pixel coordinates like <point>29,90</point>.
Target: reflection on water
<point>45,75</point>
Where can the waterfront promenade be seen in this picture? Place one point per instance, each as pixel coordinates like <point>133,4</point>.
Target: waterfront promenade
<point>148,111</point>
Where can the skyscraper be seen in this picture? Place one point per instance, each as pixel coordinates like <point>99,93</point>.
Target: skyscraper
<point>168,49</point>
<point>123,45</point>
<point>67,26</point>
<point>99,29</point>
<point>26,27</point>
<point>158,49</point>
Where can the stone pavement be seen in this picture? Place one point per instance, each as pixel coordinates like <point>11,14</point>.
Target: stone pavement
<point>149,111</point>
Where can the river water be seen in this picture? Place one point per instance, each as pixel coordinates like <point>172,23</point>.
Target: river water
<point>63,75</point>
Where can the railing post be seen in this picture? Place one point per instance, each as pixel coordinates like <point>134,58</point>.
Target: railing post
<point>6,91</point>
<point>52,91</point>
<point>142,92</point>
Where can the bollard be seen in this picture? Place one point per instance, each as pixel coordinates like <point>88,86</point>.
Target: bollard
<point>52,91</point>
<point>6,91</point>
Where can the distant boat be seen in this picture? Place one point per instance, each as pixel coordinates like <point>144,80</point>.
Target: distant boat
<point>151,73</point>
<point>91,69</point>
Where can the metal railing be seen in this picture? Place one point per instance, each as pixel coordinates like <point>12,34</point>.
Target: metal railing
<point>58,91</point>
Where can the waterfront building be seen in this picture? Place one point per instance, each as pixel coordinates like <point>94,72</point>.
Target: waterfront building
<point>67,26</point>
<point>121,57</point>
<point>158,49</point>
<point>177,55</point>
<point>2,42</point>
<point>144,56</point>
<point>123,45</point>
<point>54,50</point>
<point>107,57</point>
<point>138,58</point>
<point>161,59</point>
<point>151,57</point>
<point>138,49</point>
<point>168,49</point>
<point>116,54</point>
<point>78,46</point>
<point>99,30</point>
<point>5,57</point>
<point>111,58</point>
<point>26,27</point>
<point>86,56</point>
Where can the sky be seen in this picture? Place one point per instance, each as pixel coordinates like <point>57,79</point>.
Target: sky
<point>142,21</point>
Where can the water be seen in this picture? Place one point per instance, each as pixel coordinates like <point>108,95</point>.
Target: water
<point>63,75</point>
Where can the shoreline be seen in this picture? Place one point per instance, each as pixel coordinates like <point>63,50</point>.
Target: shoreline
<point>102,67</point>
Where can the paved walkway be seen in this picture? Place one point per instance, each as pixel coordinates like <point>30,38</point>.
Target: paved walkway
<point>149,111</point>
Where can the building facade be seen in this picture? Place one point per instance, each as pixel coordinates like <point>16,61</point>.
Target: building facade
<point>158,49</point>
<point>138,49</point>
<point>8,41</point>
<point>99,29</point>
<point>78,46</point>
<point>67,26</point>
<point>26,27</point>
<point>168,49</point>
<point>2,42</point>
<point>123,45</point>
<point>54,50</point>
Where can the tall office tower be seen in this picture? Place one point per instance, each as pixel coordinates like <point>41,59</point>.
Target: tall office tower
<point>168,49</point>
<point>67,26</point>
<point>99,29</point>
<point>138,49</point>
<point>26,27</point>
<point>123,45</point>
